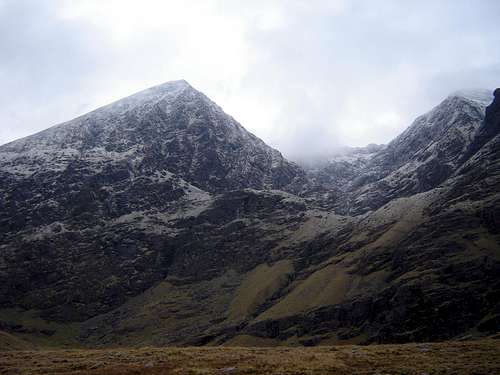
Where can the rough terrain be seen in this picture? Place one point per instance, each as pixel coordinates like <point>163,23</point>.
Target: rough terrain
<point>159,220</point>
<point>458,358</point>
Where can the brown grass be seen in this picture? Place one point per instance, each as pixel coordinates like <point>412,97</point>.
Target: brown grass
<point>327,286</point>
<point>258,285</point>
<point>475,357</point>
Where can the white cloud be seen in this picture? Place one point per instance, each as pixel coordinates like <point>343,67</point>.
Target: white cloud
<point>305,76</point>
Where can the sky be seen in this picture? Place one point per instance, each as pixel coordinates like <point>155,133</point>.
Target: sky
<point>306,76</point>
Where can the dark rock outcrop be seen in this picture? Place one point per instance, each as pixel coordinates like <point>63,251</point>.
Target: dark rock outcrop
<point>490,127</point>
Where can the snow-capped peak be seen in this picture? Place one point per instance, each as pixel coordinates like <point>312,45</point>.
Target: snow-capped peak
<point>165,91</point>
<point>482,96</point>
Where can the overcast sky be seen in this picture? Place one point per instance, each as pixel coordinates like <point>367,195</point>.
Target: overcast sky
<point>305,76</point>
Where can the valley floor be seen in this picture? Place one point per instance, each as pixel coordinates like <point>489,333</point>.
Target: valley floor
<point>473,357</point>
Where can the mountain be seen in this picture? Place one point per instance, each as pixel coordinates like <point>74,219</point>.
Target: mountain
<point>160,220</point>
<point>103,185</point>
<point>171,127</point>
<point>424,155</point>
<point>418,160</point>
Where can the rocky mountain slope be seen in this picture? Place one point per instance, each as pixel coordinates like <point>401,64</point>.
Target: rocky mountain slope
<point>145,159</point>
<point>160,220</point>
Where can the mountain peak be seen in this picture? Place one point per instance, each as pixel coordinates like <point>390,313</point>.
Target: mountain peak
<point>171,85</point>
<point>482,96</point>
<point>166,90</point>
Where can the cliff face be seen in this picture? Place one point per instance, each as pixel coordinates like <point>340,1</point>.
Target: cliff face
<point>160,220</point>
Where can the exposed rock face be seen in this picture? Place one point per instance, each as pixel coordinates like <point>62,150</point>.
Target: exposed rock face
<point>159,220</point>
<point>492,117</point>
